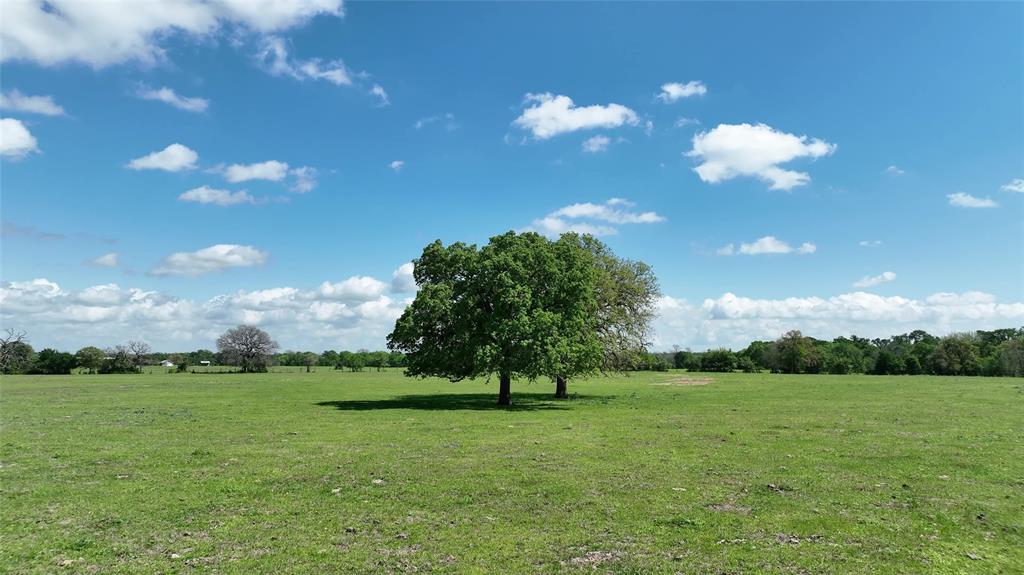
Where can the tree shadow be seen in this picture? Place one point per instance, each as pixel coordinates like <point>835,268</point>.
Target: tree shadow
<point>459,401</point>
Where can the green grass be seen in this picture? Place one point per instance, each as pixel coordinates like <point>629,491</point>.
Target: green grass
<point>373,472</point>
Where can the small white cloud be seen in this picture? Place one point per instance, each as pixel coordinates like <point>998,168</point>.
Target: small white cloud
<point>275,59</point>
<point>448,120</point>
<point>869,243</point>
<point>733,150</point>
<point>553,226</point>
<point>872,281</point>
<point>550,115</point>
<point>962,200</point>
<point>766,245</point>
<point>106,260</point>
<point>674,91</point>
<point>16,141</point>
<point>173,158</point>
<point>1016,185</point>
<point>397,165</point>
<point>208,195</point>
<point>894,171</point>
<point>596,144</point>
<point>378,90</point>
<point>355,288</point>
<point>168,96</point>
<point>305,179</point>
<point>571,218</point>
<point>648,127</point>
<point>682,122</point>
<point>214,258</point>
<point>402,280</point>
<point>18,102</point>
<point>270,170</point>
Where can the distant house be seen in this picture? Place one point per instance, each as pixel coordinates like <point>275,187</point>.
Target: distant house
<point>166,363</point>
<point>204,362</point>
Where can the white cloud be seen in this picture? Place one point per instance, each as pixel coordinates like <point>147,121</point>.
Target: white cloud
<point>872,281</point>
<point>766,245</point>
<point>106,260</point>
<point>173,158</point>
<point>550,115</point>
<point>596,144</point>
<point>16,141</point>
<point>18,102</point>
<point>379,91</point>
<point>734,150</point>
<point>270,170</point>
<point>448,119</point>
<point>214,258</point>
<point>275,59</point>
<point>734,321</point>
<point>402,280</point>
<point>614,211</point>
<point>168,96</point>
<point>208,195</point>
<point>894,171</point>
<point>674,91</point>
<point>101,34</point>
<point>1015,185</point>
<point>355,288</point>
<point>397,165</point>
<point>869,243</point>
<point>305,179</point>
<point>962,200</point>
<point>682,122</point>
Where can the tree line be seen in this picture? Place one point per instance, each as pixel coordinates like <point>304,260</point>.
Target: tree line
<point>988,353</point>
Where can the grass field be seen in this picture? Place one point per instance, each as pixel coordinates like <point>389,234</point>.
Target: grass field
<point>334,472</point>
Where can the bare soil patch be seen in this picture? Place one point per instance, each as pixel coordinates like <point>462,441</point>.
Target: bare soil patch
<point>686,381</point>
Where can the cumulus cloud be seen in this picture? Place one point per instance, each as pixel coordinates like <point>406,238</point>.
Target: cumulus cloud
<point>962,200</point>
<point>736,150</point>
<point>212,259</point>
<point>381,94</point>
<point>356,288</point>
<point>766,245</point>
<point>872,281</point>
<point>275,59</point>
<point>596,144</point>
<point>18,102</point>
<point>1015,185</point>
<point>169,96</point>
<point>16,141</point>
<point>101,34</point>
<point>894,171</point>
<point>682,122</point>
<point>208,195</point>
<point>402,280</point>
<point>734,321</point>
<point>173,158</point>
<point>304,179</point>
<point>593,219</point>
<point>106,260</point>
<point>397,165</point>
<point>674,91</point>
<point>549,115</point>
<point>270,170</point>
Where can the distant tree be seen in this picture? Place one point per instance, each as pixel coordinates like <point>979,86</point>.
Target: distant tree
<point>721,360</point>
<point>53,362</point>
<point>888,363</point>
<point>201,355</point>
<point>844,357</point>
<point>379,359</point>
<point>396,359</point>
<point>746,365</point>
<point>680,358</point>
<point>328,358</point>
<point>1010,358</point>
<point>792,352</point>
<point>248,347</point>
<point>16,355</point>
<point>118,359</point>
<point>695,362</point>
<point>344,359</point>
<point>356,362</point>
<point>955,354</point>
<point>89,358</point>
<point>758,352</point>
<point>309,359</point>
<point>912,365</point>
<point>139,351</point>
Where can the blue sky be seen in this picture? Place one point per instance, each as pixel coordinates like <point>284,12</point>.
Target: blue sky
<point>892,134</point>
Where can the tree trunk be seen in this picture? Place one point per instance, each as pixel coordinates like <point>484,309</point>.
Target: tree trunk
<point>561,388</point>
<point>505,389</point>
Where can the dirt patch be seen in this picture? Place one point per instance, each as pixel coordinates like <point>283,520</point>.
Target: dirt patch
<point>593,558</point>
<point>686,381</point>
<point>728,507</point>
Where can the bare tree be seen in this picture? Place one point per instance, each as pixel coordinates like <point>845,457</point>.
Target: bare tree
<point>248,347</point>
<point>15,352</point>
<point>139,351</point>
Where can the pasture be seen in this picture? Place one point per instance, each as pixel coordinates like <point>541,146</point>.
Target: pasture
<point>338,472</point>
